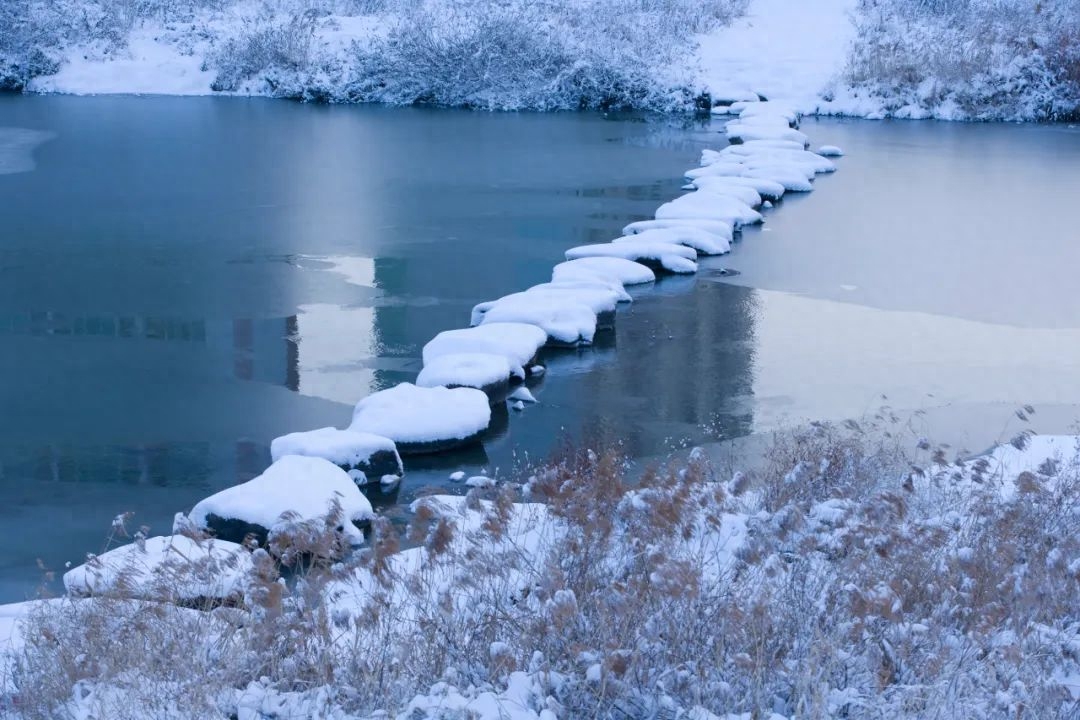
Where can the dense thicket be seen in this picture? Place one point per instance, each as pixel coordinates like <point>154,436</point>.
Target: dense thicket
<point>969,59</point>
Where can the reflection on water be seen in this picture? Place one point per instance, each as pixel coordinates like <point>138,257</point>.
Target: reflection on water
<point>227,271</point>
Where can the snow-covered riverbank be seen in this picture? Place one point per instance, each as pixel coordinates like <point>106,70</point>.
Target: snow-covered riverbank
<point>982,60</point>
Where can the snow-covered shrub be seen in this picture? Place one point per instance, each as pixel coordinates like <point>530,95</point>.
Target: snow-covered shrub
<point>270,45</point>
<point>969,59</point>
<point>536,54</point>
<point>854,572</point>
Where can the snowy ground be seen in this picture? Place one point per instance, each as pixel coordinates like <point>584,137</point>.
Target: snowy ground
<point>789,50</point>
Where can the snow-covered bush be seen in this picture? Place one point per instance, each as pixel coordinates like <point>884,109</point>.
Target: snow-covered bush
<point>969,59</point>
<point>509,54</point>
<point>851,573</point>
<point>537,54</point>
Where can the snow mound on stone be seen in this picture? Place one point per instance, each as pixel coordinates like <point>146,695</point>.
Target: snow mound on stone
<point>423,419</point>
<point>302,487</point>
<point>599,300</point>
<point>366,457</point>
<point>671,257</point>
<point>565,320</point>
<point>830,151</point>
<point>702,241</point>
<point>722,229</point>
<point>173,567</point>
<point>474,370</point>
<point>742,193</point>
<point>597,283</point>
<point>739,132</point>
<point>709,207</point>
<point>614,269</point>
<point>767,190</point>
<point>517,342</point>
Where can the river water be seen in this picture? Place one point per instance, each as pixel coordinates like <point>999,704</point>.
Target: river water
<point>181,280</point>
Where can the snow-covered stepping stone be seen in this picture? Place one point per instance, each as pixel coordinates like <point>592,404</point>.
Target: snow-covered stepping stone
<point>659,256</point>
<point>745,132</point>
<point>767,190</point>
<point>613,269</point>
<point>294,491</point>
<point>601,301</point>
<point>722,229</point>
<point>701,241</point>
<point>709,207</point>
<point>517,342</point>
<point>424,419</point>
<point>792,177</point>
<point>813,162</point>
<point>565,319</point>
<point>174,568</point>
<point>830,151</point>
<point>483,371</point>
<point>589,283</point>
<point>742,193</point>
<point>366,457</point>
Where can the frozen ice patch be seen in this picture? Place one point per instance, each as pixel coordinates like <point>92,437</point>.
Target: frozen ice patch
<point>17,147</point>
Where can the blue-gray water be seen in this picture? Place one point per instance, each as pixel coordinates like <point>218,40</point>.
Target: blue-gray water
<point>181,280</point>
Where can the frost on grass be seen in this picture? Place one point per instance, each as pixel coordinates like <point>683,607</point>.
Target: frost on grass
<point>852,572</point>
<point>182,568</point>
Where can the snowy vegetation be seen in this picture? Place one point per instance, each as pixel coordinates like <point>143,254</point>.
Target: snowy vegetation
<point>969,59</point>
<point>851,573</point>
<point>512,54</point>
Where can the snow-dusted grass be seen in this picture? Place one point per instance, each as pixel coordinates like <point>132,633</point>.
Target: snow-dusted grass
<point>852,572</point>
<point>967,59</point>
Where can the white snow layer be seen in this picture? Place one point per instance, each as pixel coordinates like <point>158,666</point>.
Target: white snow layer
<point>725,230</point>
<point>174,567</point>
<point>474,370</point>
<point>410,414</point>
<point>517,342</point>
<point>341,447</point>
<point>304,487</point>
<point>766,189</point>
<point>565,320</point>
<point>702,241</point>
<point>789,50</point>
<point>673,258</point>
<point>612,269</point>
<point>709,206</point>
<point>596,299</point>
<point>830,151</point>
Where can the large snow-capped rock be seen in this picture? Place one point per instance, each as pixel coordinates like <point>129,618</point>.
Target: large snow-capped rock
<point>612,269</point>
<point>720,228</point>
<point>701,241</point>
<point>294,490</point>
<point>517,342</point>
<point>483,371</point>
<point>565,319</point>
<point>707,206</point>
<point>173,568</point>
<point>601,301</point>
<point>367,458</point>
<point>658,256</point>
<point>424,419</point>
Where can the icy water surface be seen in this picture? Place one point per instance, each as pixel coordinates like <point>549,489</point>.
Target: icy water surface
<point>181,280</point>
